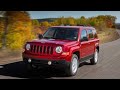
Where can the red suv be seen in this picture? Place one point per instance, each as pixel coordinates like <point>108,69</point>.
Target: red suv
<point>63,46</point>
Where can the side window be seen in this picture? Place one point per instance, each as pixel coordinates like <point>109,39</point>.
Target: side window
<point>84,36</point>
<point>95,33</point>
<point>90,34</point>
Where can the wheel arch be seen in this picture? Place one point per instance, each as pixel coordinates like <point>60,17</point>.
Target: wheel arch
<point>97,47</point>
<point>77,53</point>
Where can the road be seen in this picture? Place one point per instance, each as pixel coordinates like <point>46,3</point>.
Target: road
<point>108,67</point>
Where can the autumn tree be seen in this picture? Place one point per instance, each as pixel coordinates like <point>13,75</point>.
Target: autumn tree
<point>81,21</point>
<point>53,24</point>
<point>44,26</point>
<point>5,22</point>
<point>70,21</point>
<point>45,23</point>
<point>18,29</point>
<point>1,30</point>
<point>36,27</point>
<point>35,22</point>
<point>110,21</point>
<point>61,21</point>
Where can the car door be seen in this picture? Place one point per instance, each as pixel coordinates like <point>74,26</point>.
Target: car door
<point>90,41</point>
<point>84,46</point>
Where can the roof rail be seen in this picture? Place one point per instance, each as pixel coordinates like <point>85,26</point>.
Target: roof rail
<point>76,25</point>
<point>65,25</point>
<point>80,25</point>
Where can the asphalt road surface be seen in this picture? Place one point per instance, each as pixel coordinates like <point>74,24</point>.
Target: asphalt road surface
<point>108,67</point>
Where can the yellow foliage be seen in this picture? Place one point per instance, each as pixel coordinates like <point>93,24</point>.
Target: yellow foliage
<point>15,40</point>
<point>1,32</point>
<point>37,30</point>
<point>0,40</point>
<point>45,23</point>
<point>18,33</point>
<point>0,45</point>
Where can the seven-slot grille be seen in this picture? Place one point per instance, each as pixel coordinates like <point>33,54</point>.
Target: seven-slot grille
<point>41,49</point>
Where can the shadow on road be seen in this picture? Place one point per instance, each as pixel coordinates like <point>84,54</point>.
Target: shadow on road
<point>18,69</point>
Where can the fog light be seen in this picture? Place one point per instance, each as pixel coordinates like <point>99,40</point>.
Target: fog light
<point>49,62</point>
<point>29,60</point>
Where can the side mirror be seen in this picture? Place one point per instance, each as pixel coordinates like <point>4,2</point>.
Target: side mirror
<point>40,36</point>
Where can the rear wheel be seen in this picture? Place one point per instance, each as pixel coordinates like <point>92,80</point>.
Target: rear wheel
<point>94,60</point>
<point>73,66</point>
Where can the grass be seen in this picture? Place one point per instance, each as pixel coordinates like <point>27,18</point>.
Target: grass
<point>108,35</point>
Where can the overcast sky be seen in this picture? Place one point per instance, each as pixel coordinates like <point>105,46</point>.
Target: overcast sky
<point>76,14</point>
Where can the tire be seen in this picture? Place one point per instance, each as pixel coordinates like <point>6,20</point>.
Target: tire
<point>94,60</point>
<point>73,66</point>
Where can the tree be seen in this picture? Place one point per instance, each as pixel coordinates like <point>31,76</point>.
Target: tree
<point>1,30</point>
<point>17,29</point>
<point>70,21</point>
<point>82,20</point>
<point>45,23</point>
<point>110,21</point>
<point>61,21</point>
<point>35,22</point>
<point>5,17</point>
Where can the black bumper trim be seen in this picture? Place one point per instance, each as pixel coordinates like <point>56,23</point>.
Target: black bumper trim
<point>45,62</point>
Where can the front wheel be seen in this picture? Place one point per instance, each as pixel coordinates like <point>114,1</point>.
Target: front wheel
<point>94,60</point>
<point>73,67</point>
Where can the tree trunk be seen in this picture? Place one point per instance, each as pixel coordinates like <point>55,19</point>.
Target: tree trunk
<point>5,33</point>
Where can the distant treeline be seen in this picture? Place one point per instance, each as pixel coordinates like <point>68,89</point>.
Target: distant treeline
<point>101,21</point>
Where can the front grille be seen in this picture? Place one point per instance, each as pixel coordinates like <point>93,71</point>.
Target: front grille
<point>41,49</point>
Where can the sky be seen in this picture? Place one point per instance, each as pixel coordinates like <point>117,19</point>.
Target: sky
<point>75,14</point>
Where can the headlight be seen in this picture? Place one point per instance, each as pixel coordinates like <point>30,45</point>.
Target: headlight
<point>28,46</point>
<point>58,49</point>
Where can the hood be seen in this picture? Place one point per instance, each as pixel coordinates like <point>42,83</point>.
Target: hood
<point>54,41</point>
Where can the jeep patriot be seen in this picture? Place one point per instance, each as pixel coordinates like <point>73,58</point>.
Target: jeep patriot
<point>63,46</point>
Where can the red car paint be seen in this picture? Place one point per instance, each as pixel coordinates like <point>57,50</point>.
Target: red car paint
<point>85,48</point>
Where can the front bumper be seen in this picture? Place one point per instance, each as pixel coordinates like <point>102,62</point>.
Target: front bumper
<point>44,62</point>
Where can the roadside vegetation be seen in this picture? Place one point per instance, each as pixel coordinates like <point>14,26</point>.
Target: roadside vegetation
<point>108,35</point>
<point>16,27</point>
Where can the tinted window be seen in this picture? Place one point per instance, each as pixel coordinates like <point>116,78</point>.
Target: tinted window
<point>61,33</point>
<point>95,33</point>
<point>90,33</point>
<point>83,35</point>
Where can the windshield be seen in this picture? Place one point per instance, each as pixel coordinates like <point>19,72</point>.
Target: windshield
<point>61,33</point>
